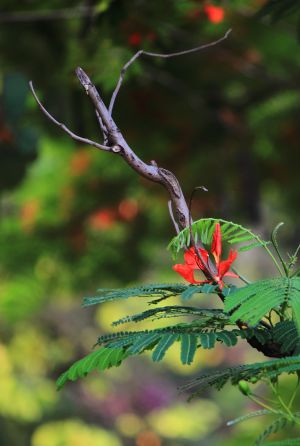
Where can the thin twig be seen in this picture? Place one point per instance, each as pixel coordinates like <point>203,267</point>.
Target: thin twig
<point>172,217</point>
<point>102,127</point>
<point>64,127</point>
<point>164,56</point>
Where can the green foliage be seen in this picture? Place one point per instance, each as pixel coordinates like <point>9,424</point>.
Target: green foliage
<point>158,291</point>
<point>245,164</point>
<point>188,348</point>
<point>273,428</point>
<point>258,371</point>
<point>101,359</point>
<point>203,332</point>
<point>176,311</point>
<point>286,335</point>
<point>203,230</point>
<point>288,442</point>
<point>252,302</point>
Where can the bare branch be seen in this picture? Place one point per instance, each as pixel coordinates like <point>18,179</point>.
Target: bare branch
<point>164,56</point>
<point>64,128</point>
<point>150,171</point>
<point>102,127</point>
<point>172,217</point>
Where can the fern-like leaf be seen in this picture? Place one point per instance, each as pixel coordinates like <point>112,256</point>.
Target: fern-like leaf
<point>208,340</point>
<point>287,442</point>
<point>188,348</point>
<point>285,333</point>
<point>273,428</point>
<point>176,311</point>
<point>144,341</point>
<point>101,359</point>
<point>164,344</point>
<point>252,302</point>
<point>163,290</point>
<point>231,232</point>
<point>158,292</point>
<point>267,369</point>
<point>229,338</point>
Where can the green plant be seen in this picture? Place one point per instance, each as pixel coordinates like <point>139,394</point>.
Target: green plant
<point>265,313</point>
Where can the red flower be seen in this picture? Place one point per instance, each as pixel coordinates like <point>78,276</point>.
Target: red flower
<point>135,39</point>
<point>215,14</point>
<point>192,262</point>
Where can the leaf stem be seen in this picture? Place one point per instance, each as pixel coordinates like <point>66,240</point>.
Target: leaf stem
<point>281,402</point>
<point>294,394</point>
<point>264,405</point>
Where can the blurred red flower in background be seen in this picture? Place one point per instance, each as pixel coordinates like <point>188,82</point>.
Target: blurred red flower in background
<point>215,14</point>
<point>80,162</point>
<point>135,39</point>
<point>101,219</point>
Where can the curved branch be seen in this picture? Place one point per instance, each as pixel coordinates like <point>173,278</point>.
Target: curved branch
<point>118,145</point>
<point>162,56</point>
<point>150,171</point>
<point>64,127</point>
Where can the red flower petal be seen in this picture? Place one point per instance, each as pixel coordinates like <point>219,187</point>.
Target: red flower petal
<point>231,274</point>
<point>225,264</point>
<point>190,258</point>
<point>216,246</point>
<point>186,272</point>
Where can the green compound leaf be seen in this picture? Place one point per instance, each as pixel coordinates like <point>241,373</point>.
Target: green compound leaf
<point>158,292</point>
<point>231,232</point>
<point>252,302</point>
<point>164,344</point>
<point>143,342</point>
<point>188,348</point>
<point>268,370</point>
<point>285,333</point>
<point>229,338</point>
<point>276,426</point>
<point>288,442</point>
<point>176,311</point>
<point>101,359</point>
<point>208,340</point>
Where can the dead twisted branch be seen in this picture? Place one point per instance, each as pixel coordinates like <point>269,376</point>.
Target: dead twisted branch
<point>115,142</point>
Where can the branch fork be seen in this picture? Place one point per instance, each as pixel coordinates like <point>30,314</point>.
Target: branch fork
<point>115,142</point>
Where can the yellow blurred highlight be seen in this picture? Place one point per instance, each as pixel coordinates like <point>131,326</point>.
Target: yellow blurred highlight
<point>39,354</point>
<point>129,424</point>
<point>148,438</point>
<point>73,433</point>
<point>190,421</point>
<point>29,396</point>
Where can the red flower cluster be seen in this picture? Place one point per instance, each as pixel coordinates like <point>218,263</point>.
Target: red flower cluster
<point>136,38</point>
<point>192,262</point>
<point>215,14</point>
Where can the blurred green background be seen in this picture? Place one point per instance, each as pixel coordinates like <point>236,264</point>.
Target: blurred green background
<point>73,219</point>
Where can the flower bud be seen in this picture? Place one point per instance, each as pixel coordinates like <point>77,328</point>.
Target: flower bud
<point>244,387</point>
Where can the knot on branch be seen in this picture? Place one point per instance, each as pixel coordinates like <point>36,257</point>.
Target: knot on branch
<point>170,180</point>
